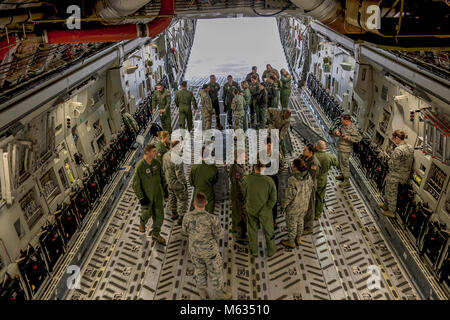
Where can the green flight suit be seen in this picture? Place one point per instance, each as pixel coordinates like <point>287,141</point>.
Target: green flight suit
<point>326,161</point>
<point>254,91</point>
<point>148,183</point>
<point>203,177</point>
<point>248,100</point>
<point>277,88</point>
<point>162,99</point>
<point>238,216</point>
<point>271,95</point>
<point>260,197</point>
<point>161,150</point>
<point>285,91</point>
<point>183,100</point>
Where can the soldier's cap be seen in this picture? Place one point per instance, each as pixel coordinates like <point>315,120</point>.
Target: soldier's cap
<point>205,86</point>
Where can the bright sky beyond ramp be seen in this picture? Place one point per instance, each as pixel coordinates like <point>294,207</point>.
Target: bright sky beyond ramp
<point>234,45</point>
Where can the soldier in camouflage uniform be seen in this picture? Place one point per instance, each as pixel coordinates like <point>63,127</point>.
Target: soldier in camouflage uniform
<point>247,100</point>
<point>237,106</point>
<point>347,135</point>
<point>296,201</point>
<point>268,72</point>
<point>285,91</point>
<point>148,187</point>
<point>254,91</point>
<point>204,230</point>
<point>238,216</point>
<point>207,109</point>
<point>183,100</point>
<point>281,120</point>
<point>203,177</point>
<point>177,185</point>
<point>313,165</point>
<point>228,96</point>
<point>400,165</point>
<point>327,160</point>
<point>214,89</point>
<point>162,98</point>
<point>260,197</point>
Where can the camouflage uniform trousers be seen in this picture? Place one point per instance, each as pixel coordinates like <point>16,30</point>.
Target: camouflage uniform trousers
<point>308,218</point>
<point>238,121</point>
<point>178,201</point>
<point>344,163</point>
<point>294,223</point>
<point>156,212</point>
<point>207,120</point>
<point>261,117</point>
<point>391,191</point>
<point>211,268</point>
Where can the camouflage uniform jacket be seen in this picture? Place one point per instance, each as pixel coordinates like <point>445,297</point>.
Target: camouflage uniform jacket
<point>275,120</point>
<point>401,162</point>
<point>174,173</point>
<point>237,106</point>
<point>214,91</point>
<point>346,145</point>
<point>207,109</point>
<point>185,97</point>
<point>162,99</point>
<point>203,230</point>
<point>312,161</point>
<point>298,192</point>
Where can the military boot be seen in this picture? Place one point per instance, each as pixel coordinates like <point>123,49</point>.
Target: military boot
<point>297,241</point>
<point>174,216</point>
<point>388,213</point>
<point>384,207</point>
<point>287,244</point>
<point>141,227</point>
<point>180,220</point>
<point>344,184</point>
<point>159,239</point>
<point>223,295</point>
<point>340,178</point>
<point>202,293</point>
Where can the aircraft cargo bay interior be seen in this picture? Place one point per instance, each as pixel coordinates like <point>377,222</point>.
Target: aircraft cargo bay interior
<point>224,150</point>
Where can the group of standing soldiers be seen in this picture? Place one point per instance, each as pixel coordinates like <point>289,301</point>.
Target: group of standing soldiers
<point>254,196</point>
